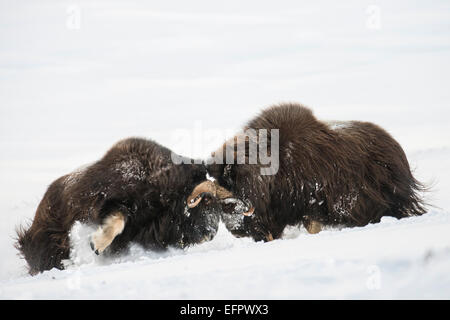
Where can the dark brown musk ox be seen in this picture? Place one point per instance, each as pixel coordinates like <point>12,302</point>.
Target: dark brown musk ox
<point>135,193</point>
<point>327,174</point>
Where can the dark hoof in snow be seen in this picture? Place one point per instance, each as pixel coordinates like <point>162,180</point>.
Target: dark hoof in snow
<point>93,248</point>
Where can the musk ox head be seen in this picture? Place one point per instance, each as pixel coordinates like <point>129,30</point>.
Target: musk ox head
<point>191,225</point>
<point>201,223</point>
<point>211,198</point>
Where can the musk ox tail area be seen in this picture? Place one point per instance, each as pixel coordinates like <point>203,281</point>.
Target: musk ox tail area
<point>407,196</point>
<point>392,180</point>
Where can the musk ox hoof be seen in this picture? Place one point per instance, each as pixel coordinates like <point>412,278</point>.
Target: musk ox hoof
<point>112,226</point>
<point>93,247</point>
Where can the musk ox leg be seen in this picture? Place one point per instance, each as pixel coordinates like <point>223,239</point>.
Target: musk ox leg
<point>312,226</point>
<point>112,226</point>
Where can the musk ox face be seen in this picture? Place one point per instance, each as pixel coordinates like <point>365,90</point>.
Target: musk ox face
<point>189,226</point>
<point>237,215</point>
<point>202,221</point>
<point>215,201</point>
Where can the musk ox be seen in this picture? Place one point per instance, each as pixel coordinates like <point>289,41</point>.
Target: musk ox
<point>135,193</point>
<point>327,173</point>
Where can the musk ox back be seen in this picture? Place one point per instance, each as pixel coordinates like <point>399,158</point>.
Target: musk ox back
<point>329,173</point>
<point>134,193</point>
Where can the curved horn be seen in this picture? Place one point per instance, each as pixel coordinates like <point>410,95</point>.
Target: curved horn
<point>199,191</point>
<point>222,193</point>
<point>194,202</point>
<point>214,189</point>
<point>249,212</point>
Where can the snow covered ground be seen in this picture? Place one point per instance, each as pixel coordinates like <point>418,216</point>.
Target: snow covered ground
<point>406,259</point>
<point>76,76</point>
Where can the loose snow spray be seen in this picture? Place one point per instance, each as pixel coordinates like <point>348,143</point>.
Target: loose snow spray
<point>82,256</point>
<point>80,251</point>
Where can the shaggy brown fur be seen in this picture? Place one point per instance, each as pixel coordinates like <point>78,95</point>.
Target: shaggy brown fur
<point>135,181</point>
<point>347,174</point>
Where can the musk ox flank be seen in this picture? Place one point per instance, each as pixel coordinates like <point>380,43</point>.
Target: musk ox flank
<point>134,194</point>
<point>329,173</point>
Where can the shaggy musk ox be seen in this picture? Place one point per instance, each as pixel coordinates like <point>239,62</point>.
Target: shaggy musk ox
<point>134,193</point>
<point>329,173</point>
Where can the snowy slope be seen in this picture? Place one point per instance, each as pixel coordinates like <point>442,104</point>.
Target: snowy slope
<point>75,77</point>
<point>406,259</point>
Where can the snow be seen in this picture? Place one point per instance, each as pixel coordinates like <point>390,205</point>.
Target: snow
<point>72,86</point>
<point>386,262</point>
<point>338,125</point>
<point>131,170</point>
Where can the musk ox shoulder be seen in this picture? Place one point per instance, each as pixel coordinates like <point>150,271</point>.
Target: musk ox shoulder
<point>134,194</point>
<point>328,173</point>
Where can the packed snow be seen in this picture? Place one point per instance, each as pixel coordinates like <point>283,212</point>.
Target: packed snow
<point>78,76</point>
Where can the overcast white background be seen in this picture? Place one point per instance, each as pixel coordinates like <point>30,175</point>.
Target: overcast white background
<point>76,76</point>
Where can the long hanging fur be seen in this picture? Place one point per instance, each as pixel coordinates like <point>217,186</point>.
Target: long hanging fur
<point>349,174</point>
<point>137,178</point>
